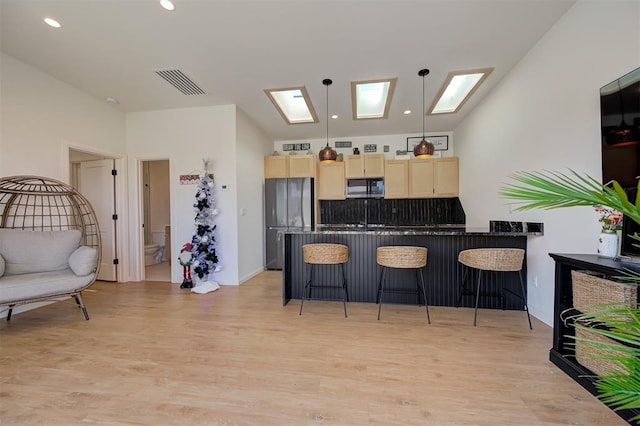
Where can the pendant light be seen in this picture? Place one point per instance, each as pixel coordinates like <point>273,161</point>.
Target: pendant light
<point>425,148</point>
<point>328,154</point>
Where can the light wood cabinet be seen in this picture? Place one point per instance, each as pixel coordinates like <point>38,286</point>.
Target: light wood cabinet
<point>367,165</point>
<point>276,166</point>
<point>446,177</point>
<point>421,178</point>
<point>331,181</point>
<point>433,177</point>
<point>302,165</point>
<point>282,166</point>
<point>396,179</point>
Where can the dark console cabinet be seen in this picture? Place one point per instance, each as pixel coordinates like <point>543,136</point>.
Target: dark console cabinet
<point>562,353</point>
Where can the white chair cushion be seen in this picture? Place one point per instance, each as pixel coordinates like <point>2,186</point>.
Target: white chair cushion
<point>41,284</point>
<point>1,265</point>
<point>37,251</point>
<point>83,260</point>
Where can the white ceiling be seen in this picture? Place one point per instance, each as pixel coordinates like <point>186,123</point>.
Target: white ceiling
<point>235,49</point>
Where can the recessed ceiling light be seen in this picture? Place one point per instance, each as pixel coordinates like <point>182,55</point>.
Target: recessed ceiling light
<point>112,100</point>
<point>293,104</point>
<point>167,4</point>
<point>457,89</point>
<point>52,23</point>
<point>407,112</point>
<point>372,98</point>
<point>334,116</point>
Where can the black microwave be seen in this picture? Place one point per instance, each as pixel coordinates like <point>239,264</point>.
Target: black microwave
<point>365,187</point>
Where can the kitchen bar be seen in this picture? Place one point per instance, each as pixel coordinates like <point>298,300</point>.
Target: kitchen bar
<point>443,273</point>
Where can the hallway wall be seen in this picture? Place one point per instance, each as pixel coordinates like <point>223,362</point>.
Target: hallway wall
<point>185,136</point>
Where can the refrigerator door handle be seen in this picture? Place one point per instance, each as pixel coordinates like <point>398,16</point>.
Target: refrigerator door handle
<point>302,203</point>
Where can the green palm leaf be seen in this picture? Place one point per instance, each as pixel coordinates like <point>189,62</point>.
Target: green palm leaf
<point>551,190</point>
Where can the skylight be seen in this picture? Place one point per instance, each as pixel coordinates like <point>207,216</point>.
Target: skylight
<point>372,98</point>
<point>293,104</point>
<point>457,89</point>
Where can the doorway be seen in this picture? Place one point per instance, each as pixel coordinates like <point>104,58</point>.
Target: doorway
<point>94,176</point>
<point>156,220</point>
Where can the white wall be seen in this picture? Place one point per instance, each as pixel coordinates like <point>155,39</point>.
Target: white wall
<point>186,136</point>
<point>545,115</point>
<point>395,142</point>
<point>42,119</point>
<point>252,145</point>
<point>42,116</point>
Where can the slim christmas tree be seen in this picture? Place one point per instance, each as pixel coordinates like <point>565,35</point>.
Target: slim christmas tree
<point>203,247</point>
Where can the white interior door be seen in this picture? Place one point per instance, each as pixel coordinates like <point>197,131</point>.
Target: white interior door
<point>97,184</point>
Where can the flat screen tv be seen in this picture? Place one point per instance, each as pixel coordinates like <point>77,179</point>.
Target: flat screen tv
<point>629,227</point>
<point>620,123</point>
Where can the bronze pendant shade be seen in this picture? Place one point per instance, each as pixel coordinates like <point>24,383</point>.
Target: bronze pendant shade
<point>327,154</point>
<point>425,148</point>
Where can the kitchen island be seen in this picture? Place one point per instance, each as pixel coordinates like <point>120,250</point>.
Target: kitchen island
<point>443,273</point>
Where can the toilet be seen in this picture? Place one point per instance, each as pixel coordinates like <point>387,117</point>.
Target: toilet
<point>154,252</point>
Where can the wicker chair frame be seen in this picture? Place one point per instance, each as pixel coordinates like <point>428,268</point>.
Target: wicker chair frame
<point>325,254</point>
<point>402,257</point>
<point>36,203</point>
<point>493,259</point>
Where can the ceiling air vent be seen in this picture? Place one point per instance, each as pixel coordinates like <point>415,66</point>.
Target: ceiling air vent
<point>181,81</point>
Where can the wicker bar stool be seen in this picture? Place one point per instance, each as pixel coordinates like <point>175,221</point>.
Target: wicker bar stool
<point>402,257</point>
<point>325,254</point>
<point>493,259</point>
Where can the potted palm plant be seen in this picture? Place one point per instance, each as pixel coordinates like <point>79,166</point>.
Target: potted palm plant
<point>619,389</point>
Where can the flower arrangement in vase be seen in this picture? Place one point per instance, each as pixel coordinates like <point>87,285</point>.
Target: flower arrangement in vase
<point>611,220</point>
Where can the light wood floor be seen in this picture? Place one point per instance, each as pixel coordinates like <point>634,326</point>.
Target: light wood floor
<point>158,272</point>
<point>154,354</point>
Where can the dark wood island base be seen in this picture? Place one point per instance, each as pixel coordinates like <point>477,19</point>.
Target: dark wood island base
<point>443,273</point>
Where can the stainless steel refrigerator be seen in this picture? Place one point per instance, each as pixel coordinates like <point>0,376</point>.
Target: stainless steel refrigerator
<point>288,207</point>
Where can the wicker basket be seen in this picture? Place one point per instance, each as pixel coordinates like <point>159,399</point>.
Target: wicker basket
<point>325,254</point>
<point>591,357</point>
<point>590,291</point>
<point>401,256</point>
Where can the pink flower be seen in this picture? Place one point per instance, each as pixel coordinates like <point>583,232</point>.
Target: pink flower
<point>611,219</point>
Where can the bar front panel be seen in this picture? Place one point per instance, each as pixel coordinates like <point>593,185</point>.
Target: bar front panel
<point>443,274</point>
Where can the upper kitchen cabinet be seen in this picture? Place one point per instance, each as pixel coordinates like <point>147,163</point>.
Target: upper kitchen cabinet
<point>421,178</point>
<point>276,166</point>
<point>433,177</point>
<point>367,165</point>
<point>302,165</point>
<point>445,176</point>
<point>283,166</point>
<point>331,181</point>
<point>396,179</point>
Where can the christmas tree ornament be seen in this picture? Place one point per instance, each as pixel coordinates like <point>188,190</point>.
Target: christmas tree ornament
<point>186,261</point>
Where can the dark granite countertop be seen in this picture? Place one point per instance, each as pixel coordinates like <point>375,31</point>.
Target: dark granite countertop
<point>415,230</point>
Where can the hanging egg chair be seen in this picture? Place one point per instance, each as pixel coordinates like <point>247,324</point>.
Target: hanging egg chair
<point>34,203</point>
